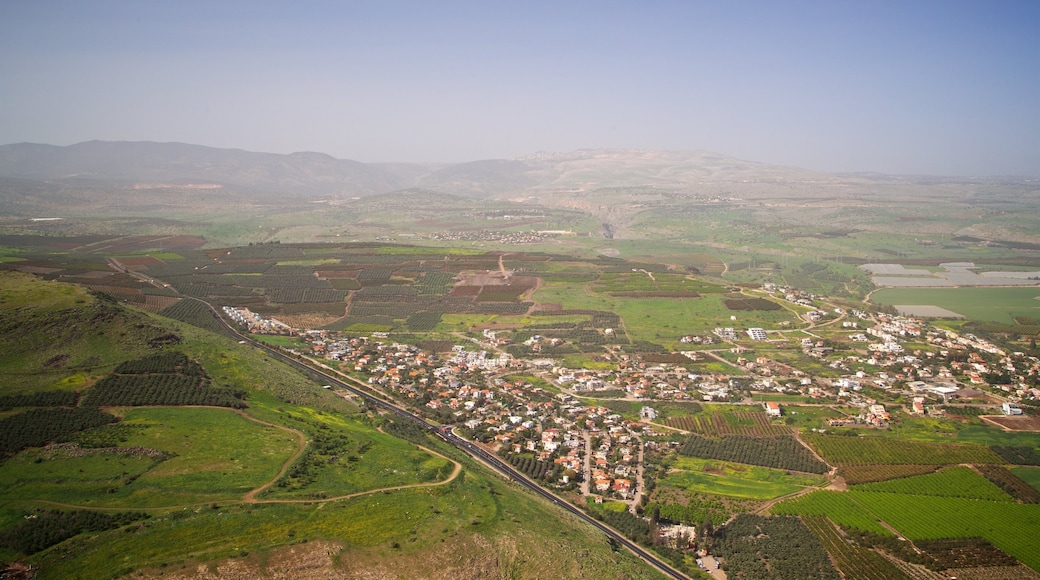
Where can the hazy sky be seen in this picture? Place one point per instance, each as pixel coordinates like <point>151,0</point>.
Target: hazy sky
<point>909,86</point>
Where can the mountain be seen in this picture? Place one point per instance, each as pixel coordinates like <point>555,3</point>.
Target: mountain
<point>316,174</point>
<point>307,174</point>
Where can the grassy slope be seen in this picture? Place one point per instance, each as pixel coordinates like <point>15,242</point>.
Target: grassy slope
<point>474,524</point>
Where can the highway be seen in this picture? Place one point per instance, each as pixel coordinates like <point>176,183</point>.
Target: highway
<point>466,446</point>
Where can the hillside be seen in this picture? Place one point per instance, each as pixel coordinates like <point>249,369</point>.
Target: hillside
<point>299,483</point>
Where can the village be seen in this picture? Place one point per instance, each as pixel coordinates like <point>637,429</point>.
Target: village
<point>550,430</point>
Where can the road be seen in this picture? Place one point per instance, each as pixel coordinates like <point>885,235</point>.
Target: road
<point>361,389</point>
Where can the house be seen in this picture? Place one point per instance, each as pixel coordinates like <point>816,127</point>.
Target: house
<point>1010,409</point>
<point>772,408</point>
<point>918,406</point>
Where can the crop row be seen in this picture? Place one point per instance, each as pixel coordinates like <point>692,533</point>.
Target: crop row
<point>780,452</point>
<point>37,427</point>
<point>1010,483</point>
<point>842,450</point>
<point>533,468</point>
<point>956,481</point>
<point>305,295</point>
<point>162,389</point>
<point>195,313</point>
<point>853,561</point>
<point>163,362</point>
<point>423,321</point>
<point>777,547</point>
<point>717,425</point>
<point>855,474</point>
<point>838,506</point>
<point>40,399</point>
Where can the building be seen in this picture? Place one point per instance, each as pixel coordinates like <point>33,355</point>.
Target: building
<point>1010,409</point>
<point>757,334</point>
<point>773,409</point>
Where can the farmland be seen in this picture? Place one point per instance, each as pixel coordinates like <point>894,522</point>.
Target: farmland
<point>622,321</point>
<point>999,305</point>
<point>734,480</point>
<point>843,450</point>
<point>853,561</point>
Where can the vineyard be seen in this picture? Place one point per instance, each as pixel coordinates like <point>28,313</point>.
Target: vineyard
<point>839,507</point>
<point>751,424</point>
<point>855,474</point>
<point>853,561</point>
<point>1010,483</point>
<point>780,452</point>
<point>1010,526</point>
<point>957,481</point>
<point>843,450</point>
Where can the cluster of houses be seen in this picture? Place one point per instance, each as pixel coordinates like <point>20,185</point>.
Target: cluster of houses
<point>470,389</point>
<point>500,236</point>
<point>255,323</point>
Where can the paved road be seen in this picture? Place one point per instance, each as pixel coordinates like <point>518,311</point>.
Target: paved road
<point>361,389</point>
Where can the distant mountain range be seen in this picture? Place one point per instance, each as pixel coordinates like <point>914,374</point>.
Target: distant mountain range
<point>97,163</point>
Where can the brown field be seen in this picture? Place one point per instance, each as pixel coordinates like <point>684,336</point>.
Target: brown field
<point>1014,423</point>
<point>465,290</point>
<point>139,262</point>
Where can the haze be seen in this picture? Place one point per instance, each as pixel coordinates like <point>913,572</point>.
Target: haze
<point>940,87</point>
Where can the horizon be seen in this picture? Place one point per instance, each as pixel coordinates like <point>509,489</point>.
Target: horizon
<point>545,152</point>
<point>931,88</point>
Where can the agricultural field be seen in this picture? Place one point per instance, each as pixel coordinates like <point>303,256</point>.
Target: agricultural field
<point>167,457</point>
<point>782,452</point>
<point>1000,305</point>
<point>841,508</point>
<point>846,450</point>
<point>1009,526</point>
<point>750,423</point>
<point>1030,475</point>
<point>957,481</point>
<point>853,561</point>
<point>734,479</point>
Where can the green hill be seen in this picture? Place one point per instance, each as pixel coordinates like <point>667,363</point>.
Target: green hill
<point>299,482</point>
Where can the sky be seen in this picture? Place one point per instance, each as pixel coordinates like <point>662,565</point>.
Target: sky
<point>944,87</point>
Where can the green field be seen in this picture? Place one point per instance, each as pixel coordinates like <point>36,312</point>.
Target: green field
<point>734,479</point>
<point>1030,475</point>
<point>843,450</point>
<point>201,466</point>
<point>1009,526</point>
<point>999,305</point>
<point>957,481</point>
<point>840,507</point>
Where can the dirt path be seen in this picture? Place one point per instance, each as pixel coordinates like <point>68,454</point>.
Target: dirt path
<point>454,473</point>
<point>773,501</point>
<point>250,497</point>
